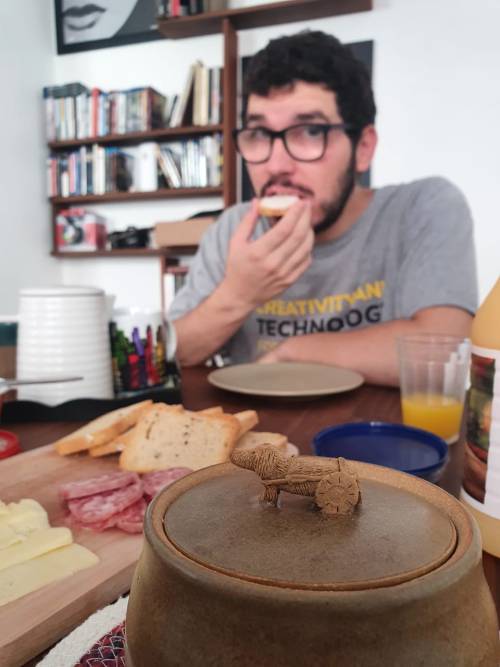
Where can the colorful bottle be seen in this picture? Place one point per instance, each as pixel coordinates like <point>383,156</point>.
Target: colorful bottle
<point>481,481</point>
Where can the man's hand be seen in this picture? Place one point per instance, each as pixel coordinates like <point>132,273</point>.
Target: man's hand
<point>257,270</point>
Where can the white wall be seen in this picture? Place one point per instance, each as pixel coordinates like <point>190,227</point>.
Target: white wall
<point>436,69</point>
<point>25,65</point>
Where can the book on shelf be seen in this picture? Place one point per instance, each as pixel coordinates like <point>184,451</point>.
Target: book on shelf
<point>183,108</point>
<point>176,8</point>
<point>146,167</point>
<point>168,167</point>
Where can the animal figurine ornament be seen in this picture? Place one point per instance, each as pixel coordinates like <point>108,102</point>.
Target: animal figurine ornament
<point>332,482</point>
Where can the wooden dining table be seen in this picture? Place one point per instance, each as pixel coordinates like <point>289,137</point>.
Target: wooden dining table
<point>299,419</point>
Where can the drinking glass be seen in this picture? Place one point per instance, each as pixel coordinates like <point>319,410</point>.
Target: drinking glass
<point>433,371</point>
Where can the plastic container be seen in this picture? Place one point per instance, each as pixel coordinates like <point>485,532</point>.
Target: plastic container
<point>481,480</point>
<point>404,448</point>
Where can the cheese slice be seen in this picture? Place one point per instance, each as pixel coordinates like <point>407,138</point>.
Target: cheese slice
<point>3,508</point>
<point>8,537</point>
<point>38,543</point>
<point>19,580</point>
<point>25,516</point>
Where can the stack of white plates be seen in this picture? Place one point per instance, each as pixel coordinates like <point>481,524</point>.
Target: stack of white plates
<point>64,331</point>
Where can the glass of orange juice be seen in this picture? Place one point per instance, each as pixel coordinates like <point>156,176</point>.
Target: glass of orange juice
<point>433,371</point>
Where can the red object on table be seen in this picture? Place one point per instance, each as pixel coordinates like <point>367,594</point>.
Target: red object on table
<point>9,444</point>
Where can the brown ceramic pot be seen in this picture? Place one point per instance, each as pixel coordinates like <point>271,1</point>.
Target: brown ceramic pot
<point>225,580</point>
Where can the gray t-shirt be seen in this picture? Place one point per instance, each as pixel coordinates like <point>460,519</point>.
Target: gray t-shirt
<point>412,248</point>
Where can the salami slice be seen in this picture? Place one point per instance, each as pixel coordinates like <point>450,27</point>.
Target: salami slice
<point>156,481</point>
<point>94,485</point>
<point>100,507</point>
<point>131,520</point>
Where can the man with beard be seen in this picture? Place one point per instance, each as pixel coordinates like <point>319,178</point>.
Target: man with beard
<point>347,269</point>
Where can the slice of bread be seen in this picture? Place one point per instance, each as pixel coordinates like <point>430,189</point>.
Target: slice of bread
<point>247,420</point>
<point>254,439</point>
<point>101,430</point>
<point>216,410</point>
<point>119,443</point>
<point>275,206</point>
<point>165,439</point>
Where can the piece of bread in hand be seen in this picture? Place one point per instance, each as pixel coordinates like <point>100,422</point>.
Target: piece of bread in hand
<point>102,430</point>
<point>166,439</point>
<point>254,439</point>
<point>275,206</point>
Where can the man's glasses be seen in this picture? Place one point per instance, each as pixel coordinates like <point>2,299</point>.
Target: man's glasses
<point>306,142</point>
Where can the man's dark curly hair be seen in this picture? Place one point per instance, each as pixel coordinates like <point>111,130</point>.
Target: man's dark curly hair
<point>315,57</point>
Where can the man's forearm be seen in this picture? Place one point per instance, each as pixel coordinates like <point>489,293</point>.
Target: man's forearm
<point>371,351</point>
<point>205,329</point>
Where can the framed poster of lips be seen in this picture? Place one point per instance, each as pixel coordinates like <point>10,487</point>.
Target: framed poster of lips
<point>83,25</point>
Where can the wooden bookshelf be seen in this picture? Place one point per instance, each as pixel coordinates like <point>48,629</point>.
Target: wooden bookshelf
<point>133,138</point>
<point>256,17</point>
<point>109,197</point>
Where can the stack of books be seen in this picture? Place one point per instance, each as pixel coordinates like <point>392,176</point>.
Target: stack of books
<point>91,170</point>
<point>73,111</point>
<point>192,163</point>
<point>200,102</point>
<point>174,8</point>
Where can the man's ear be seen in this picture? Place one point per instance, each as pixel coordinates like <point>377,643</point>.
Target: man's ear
<point>365,148</point>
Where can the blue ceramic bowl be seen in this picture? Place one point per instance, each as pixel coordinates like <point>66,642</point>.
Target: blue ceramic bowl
<point>404,448</point>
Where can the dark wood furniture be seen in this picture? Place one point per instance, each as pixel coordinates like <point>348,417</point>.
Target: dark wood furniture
<point>298,419</point>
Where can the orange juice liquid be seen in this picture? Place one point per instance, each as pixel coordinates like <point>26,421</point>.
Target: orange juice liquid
<point>439,414</point>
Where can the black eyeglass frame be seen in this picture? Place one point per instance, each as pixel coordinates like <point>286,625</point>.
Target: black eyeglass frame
<point>281,134</point>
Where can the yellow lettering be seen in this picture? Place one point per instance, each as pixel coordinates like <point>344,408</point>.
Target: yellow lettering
<point>321,305</point>
<point>268,308</point>
<point>301,306</point>
<point>374,290</point>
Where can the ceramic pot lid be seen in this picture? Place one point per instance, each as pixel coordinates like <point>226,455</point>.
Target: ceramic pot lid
<point>393,536</point>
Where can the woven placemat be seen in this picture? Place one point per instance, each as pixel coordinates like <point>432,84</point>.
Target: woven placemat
<point>99,641</point>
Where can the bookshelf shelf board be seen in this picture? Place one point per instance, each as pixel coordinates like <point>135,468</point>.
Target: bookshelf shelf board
<point>138,137</point>
<point>244,18</point>
<point>121,252</point>
<point>137,196</point>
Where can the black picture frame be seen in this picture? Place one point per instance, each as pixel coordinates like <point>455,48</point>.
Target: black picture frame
<point>362,51</point>
<point>139,26</point>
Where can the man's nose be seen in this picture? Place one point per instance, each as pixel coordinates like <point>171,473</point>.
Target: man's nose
<point>280,160</point>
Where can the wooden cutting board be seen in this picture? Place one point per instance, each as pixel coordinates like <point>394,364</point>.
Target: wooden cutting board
<point>40,619</point>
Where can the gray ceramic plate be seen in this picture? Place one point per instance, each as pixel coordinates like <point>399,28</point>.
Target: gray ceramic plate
<point>285,379</point>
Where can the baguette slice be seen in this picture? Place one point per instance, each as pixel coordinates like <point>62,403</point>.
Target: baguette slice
<point>254,439</point>
<point>216,410</point>
<point>165,439</point>
<point>118,444</point>
<point>247,420</point>
<point>101,430</point>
